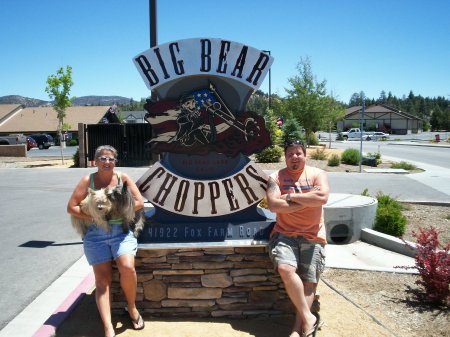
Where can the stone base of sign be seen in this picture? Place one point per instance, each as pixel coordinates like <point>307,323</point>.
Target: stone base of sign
<point>230,281</point>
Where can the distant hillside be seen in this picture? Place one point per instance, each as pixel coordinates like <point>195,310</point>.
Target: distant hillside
<point>28,102</point>
<point>84,100</point>
<point>101,100</point>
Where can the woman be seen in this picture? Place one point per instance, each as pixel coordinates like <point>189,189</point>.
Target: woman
<point>101,247</point>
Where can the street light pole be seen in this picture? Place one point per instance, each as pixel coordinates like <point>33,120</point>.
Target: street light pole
<point>153,33</point>
<point>152,16</point>
<point>361,130</point>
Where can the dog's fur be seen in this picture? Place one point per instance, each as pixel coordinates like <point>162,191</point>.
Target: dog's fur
<point>123,207</point>
<point>110,203</point>
<point>98,206</point>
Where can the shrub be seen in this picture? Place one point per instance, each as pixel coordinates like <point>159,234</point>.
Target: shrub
<point>319,154</point>
<point>339,136</point>
<point>376,155</point>
<point>311,139</point>
<point>292,130</point>
<point>404,165</point>
<point>334,160</point>
<point>389,218</point>
<point>350,157</point>
<point>76,158</point>
<point>73,142</point>
<point>271,154</point>
<point>432,261</point>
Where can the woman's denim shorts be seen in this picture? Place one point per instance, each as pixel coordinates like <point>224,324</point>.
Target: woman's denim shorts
<point>100,246</point>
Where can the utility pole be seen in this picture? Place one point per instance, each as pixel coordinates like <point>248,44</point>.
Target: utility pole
<point>153,33</point>
<point>361,129</point>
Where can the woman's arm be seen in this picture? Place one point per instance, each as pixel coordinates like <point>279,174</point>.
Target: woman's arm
<point>138,200</point>
<point>79,193</point>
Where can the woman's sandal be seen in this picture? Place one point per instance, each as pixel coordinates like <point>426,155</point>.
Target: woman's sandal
<point>139,323</point>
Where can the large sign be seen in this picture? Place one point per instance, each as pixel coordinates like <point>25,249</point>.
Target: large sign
<point>204,188</point>
<point>212,57</point>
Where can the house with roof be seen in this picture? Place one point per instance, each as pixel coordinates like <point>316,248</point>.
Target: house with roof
<point>16,118</point>
<point>382,117</point>
<point>133,117</point>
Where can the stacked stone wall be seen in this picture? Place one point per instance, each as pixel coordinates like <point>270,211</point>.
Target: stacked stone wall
<point>206,282</point>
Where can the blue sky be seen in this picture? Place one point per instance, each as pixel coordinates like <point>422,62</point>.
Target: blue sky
<point>356,45</point>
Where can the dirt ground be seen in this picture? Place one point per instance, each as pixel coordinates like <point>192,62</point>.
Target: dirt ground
<point>353,303</point>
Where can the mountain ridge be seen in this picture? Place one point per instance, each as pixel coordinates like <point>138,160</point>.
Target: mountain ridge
<point>78,101</point>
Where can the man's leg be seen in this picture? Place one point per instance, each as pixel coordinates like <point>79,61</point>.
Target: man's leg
<point>296,292</point>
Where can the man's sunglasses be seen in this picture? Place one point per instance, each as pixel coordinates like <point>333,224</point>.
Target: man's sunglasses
<point>293,142</point>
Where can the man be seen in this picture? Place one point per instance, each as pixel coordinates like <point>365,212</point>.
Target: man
<point>297,194</point>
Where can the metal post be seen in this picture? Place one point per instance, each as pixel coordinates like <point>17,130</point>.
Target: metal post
<point>361,131</point>
<point>152,16</point>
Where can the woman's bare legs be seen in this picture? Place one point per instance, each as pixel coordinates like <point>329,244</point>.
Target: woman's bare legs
<point>103,279</point>
<point>128,282</point>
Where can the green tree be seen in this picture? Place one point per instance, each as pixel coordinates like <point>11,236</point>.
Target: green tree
<point>292,130</point>
<point>308,102</point>
<point>58,89</point>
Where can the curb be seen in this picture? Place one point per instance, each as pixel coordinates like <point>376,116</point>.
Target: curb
<point>388,242</point>
<point>48,329</point>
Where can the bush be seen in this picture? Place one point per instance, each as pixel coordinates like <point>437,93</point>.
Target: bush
<point>350,157</point>
<point>339,136</point>
<point>432,261</point>
<point>76,158</point>
<point>389,218</point>
<point>404,165</point>
<point>311,139</point>
<point>270,154</point>
<point>319,154</point>
<point>376,155</point>
<point>73,142</point>
<point>334,160</point>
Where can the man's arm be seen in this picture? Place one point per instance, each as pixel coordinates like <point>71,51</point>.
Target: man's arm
<point>277,202</point>
<point>317,196</point>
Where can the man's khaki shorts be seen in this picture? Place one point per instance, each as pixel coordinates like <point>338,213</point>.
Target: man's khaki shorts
<point>308,257</point>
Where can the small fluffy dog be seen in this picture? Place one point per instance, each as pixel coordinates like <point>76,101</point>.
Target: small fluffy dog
<point>98,206</point>
<point>123,207</point>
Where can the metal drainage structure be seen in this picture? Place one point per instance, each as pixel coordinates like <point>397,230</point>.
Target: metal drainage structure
<point>345,215</point>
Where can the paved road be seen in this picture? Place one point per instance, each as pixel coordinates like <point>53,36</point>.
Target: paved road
<point>420,154</point>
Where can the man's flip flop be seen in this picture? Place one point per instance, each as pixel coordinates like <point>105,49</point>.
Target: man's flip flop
<point>138,324</point>
<point>313,330</point>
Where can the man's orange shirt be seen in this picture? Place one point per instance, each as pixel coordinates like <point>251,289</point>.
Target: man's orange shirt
<point>308,222</point>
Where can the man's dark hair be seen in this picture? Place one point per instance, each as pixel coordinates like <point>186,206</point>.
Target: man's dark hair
<point>297,142</point>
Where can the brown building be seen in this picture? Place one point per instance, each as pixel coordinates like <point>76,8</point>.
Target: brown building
<point>382,117</point>
<point>15,118</point>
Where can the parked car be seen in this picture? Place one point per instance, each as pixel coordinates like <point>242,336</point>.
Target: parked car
<point>378,135</point>
<point>31,143</point>
<point>43,140</point>
<point>13,139</point>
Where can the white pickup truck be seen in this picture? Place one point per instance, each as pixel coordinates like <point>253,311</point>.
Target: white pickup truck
<point>13,139</point>
<point>354,134</point>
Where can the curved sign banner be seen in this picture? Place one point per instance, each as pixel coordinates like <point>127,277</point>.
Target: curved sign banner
<point>203,56</point>
<point>203,198</point>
